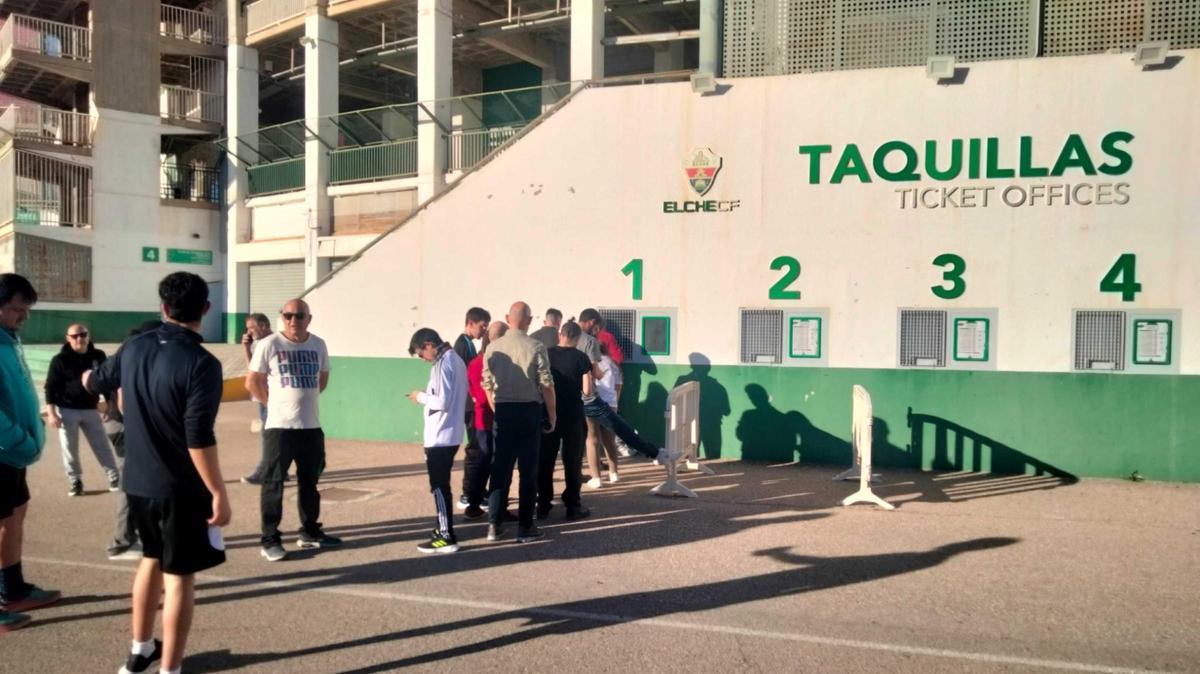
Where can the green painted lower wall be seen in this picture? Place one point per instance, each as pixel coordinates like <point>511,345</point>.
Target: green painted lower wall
<point>235,325</point>
<point>1060,424</point>
<point>48,326</point>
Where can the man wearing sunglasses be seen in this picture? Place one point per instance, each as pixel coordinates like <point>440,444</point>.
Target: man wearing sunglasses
<point>71,409</point>
<point>288,372</point>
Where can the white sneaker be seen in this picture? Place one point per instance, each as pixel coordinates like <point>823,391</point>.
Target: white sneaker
<point>613,478</point>
<point>594,483</point>
<point>667,457</point>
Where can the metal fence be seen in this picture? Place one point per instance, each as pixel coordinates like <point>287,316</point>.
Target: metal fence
<point>40,190</point>
<point>779,37</point>
<point>42,36</point>
<point>468,148</point>
<point>373,162</point>
<point>47,125</point>
<point>191,183</point>
<point>281,176</point>
<point>190,104</point>
<point>264,14</point>
<point>192,25</point>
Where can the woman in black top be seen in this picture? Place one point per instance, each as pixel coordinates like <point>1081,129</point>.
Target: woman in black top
<point>70,408</point>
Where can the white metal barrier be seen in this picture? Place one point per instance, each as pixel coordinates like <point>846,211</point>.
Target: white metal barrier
<point>861,427</point>
<point>683,436</point>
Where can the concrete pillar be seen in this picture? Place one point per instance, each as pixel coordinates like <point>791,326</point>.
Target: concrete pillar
<point>320,101</point>
<point>241,123</point>
<point>668,56</point>
<point>710,37</point>
<point>435,82</point>
<point>587,31</point>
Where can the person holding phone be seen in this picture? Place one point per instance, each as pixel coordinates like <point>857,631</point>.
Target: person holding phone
<point>444,398</point>
<point>258,327</point>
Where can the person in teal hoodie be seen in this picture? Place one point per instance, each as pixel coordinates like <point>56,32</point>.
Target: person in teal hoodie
<point>22,433</point>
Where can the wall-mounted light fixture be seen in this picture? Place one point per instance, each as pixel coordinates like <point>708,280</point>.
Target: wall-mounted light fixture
<point>940,68</point>
<point>703,83</point>
<point>1151,53</point>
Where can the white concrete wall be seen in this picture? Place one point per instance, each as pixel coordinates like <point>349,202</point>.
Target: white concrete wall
<point>554,219</point>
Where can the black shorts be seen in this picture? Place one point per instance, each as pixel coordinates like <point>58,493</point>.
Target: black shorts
<point>14,490</point>
<point>175,532</point>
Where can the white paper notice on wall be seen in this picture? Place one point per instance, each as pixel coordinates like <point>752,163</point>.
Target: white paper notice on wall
<point>805,337</point>
<point>970,339</point>
<point>1153,342</point>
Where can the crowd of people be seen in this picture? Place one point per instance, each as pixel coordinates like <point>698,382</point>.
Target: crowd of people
<point>516,400</point>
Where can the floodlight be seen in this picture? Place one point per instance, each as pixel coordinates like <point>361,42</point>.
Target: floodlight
<point>703,83</point>
<point>1151,53</point>
<point>940,68</point>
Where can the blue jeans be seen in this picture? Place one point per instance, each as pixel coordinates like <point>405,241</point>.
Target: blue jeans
<point>604,415</point>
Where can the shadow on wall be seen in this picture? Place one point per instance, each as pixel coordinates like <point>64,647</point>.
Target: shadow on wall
<point>770,434</point>
<point>941,444</point>
<point>714,404</point>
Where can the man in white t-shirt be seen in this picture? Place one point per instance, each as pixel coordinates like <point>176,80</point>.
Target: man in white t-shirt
<point>288,372</point>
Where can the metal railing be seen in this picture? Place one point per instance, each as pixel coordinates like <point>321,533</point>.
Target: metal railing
<point>191,25</point>
<point>40,190</point>
<point>264,14</point>
<point>280,176</point>
<point>49,38</point>
<point>468,148</point>
<point>190,104</point>
<point>47,125</point>
<point>373,162</point>
<point>191,183</point>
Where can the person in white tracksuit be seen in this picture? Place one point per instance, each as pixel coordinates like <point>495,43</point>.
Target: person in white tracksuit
<point>445,401</point>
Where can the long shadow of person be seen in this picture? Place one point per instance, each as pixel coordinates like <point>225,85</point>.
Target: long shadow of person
<point>714,404</point>
<point>766,433</point>
<point>812,573</point>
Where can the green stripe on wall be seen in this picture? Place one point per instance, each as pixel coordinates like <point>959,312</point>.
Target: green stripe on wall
<point>1061,424</point>
<point>48,326</point>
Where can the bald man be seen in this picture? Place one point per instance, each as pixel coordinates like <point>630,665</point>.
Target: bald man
<point>520,388</point>
<point>288,372</point>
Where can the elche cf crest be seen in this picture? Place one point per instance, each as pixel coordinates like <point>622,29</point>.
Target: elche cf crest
<point>702,165</point>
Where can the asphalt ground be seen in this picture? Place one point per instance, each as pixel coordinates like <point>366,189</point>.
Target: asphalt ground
<point>764,572</point>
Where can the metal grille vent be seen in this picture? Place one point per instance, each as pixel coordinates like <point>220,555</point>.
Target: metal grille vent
<point>762,336</point>
<point>774,37</point>
<point>1100,340</point>
<point>61,271</point>
<point>922,338</point>
<point>1177,21</point>
<point>1097,26</point>
<point>621,322</point>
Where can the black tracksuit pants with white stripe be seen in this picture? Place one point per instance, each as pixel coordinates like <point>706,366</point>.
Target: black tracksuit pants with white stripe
<point>438,462</point>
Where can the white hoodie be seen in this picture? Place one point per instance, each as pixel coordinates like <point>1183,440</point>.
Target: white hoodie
<point>445,400</point>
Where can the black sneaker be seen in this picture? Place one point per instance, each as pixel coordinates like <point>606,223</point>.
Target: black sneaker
<point>495,532</point>
<point>462,502</point>
<point>140,663</point>
<point>253,478</point>
<point>532,533</point>
<point>76,488</point>
<point>577,513</point>
<point>321,540</point>
<point>473,512</point>
<point>440,544</point>
<point>114,483</point>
